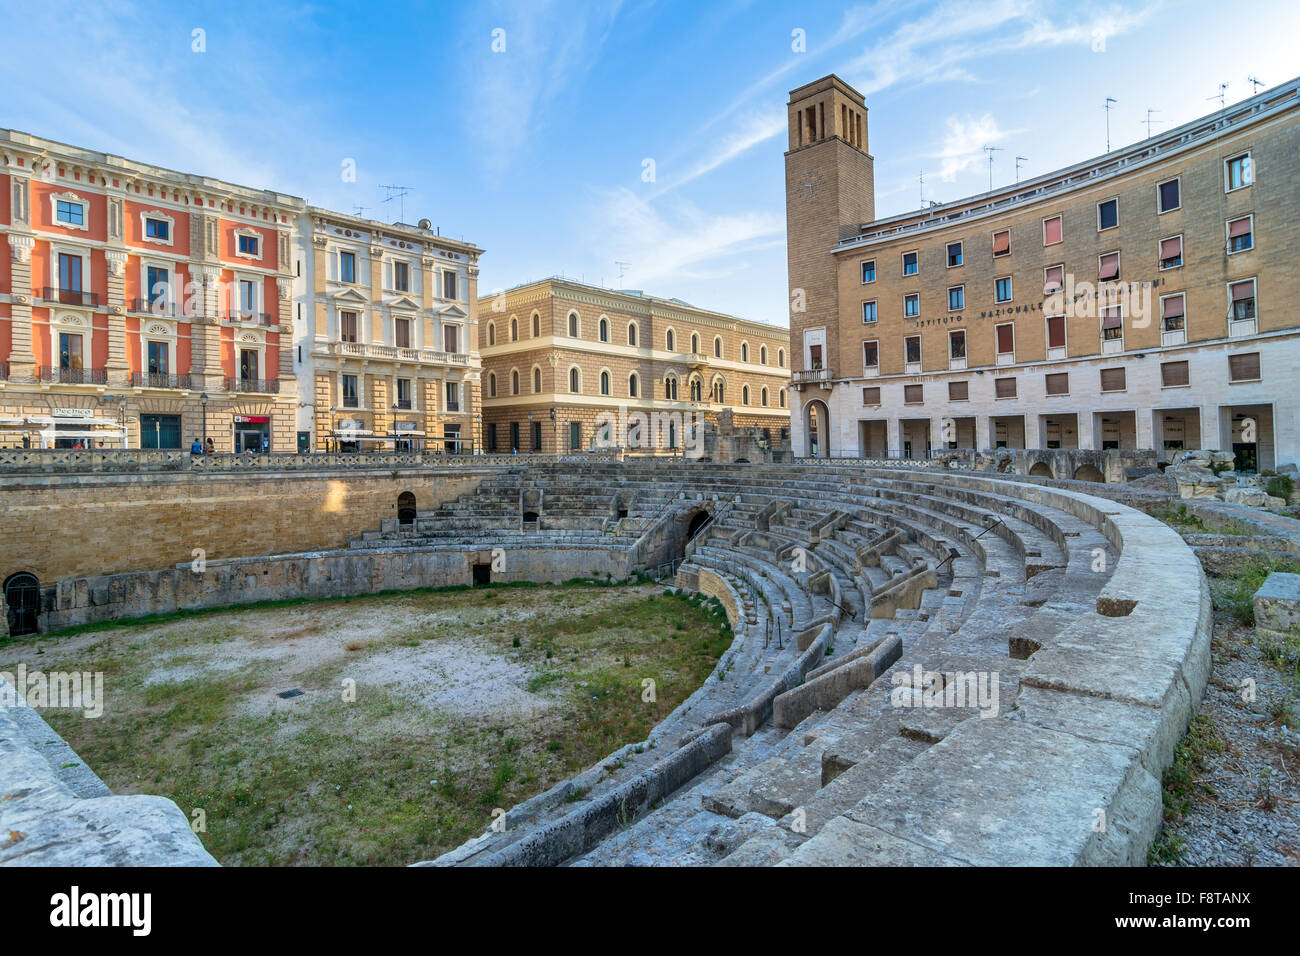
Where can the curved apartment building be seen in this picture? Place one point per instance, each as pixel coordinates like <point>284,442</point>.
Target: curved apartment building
<point>1137,300</point>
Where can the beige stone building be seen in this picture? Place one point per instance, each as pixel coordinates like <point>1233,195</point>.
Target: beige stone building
<point>568,366</point>
<point>140,306</point>
<point>1136,300</point>
<point>387,336</point>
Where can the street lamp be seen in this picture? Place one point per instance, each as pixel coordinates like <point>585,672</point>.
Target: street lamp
<point>203,400</point>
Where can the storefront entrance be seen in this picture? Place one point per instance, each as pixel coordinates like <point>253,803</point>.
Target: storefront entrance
<point>252,433</point>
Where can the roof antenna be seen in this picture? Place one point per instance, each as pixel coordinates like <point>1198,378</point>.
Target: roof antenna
<point>1149,121</point>
<point>991,150</point>
<point>1109,100</point>
<point>399,193</point>
<point>621,266</point>
<point>1019,160</point>
<point>1255,84</point>
<point>359,211</point>
<point>1219,96</point>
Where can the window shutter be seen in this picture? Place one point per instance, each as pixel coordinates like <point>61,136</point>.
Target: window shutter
<point>1172,307</point>
<point>1174,373</point>
<point>958,391</point>
<point>1001,243</point>
<point>1052,231</point>
<point>1056,332</point>
<point>1053,279</point>
<point>1058,383</point>
<point>1239,227</point>
<point>1112,380</point>
<point>1005,387</point>
<point>1242,290</point>
<point>871,396</point>
<point>1109,266</point>
<point>1243,367</point>
<point>1171,248</point>
<point>1006,338</point>
<point>912,394</point>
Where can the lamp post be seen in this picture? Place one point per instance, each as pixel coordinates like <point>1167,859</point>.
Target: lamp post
<point>121,419</point>
<point>555,431</point>
<point>203,401</point>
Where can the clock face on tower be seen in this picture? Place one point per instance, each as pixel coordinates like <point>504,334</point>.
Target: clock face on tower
<point>812,180</point>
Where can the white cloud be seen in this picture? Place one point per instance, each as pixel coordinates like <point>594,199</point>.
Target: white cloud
<point>964,142</point>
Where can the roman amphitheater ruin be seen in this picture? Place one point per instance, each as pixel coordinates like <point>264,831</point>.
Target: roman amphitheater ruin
<point>931,663</point>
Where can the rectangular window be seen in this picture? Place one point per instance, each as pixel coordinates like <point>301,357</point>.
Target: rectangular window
<point>449,339</point>
<point>69,272</point>
<point>404,393</point>
<point>957,298</point>
<point>871,396</point>
<point>1107,214</point>
<point>1171,252</point>
<point>1002,289</point>
<point>1052,231</point>
<point>157,228</point>
<point>869,271</point>
<point>70,355</point>
<point>1238,172</point>
<point>453,396</point>
<point>537,436</point>
<point>350,399</point>
<point>911,264</point>
<point>1053,279</point>
<point>1174,374</point>
<point>1058,383</point>
<point>1172,308</point>
<point>247,296</point>
<point>347,326</point>
<point>869,312</point>
<point>401,277</point>
<point>954,254</point>
<point>912,349</point>
<point>248,361</point>
<point>1113,380</point>
<point>911,305</point>
<point>402,333</point>
<point>1108,267</point>
<point>1243,300</point>
<point>449,285</point>
<point>159,358</point>
<point>957,345</point>
<point>1002,243</point>
<point>158,281</point>
<point>1243,368</point>
<point>1112,323</point>
<point>514,436</point>
<point>1056,331</point>
<point>870,355</point>
<point>1241,234</point>
<point>248,245</point>
<point>913,395</point>
<point>492,436</point>
<point>1167,194</point>
<point>959,391</point>
<point>347,267</point>
<point>73,213</point>
<point>1006,339</point>
<point>1004,387</point>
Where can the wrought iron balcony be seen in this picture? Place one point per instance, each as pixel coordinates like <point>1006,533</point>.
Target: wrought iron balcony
<point>74,376</point>
<point>160,307</point>
<point>69,296</point>
<point>262,385</point>
<point>157,380</point>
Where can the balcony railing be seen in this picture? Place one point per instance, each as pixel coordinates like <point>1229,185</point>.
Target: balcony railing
<point>811,376</point>
<point>69,296</point>
<point>158,380</point>
<point>351,401</point>
<point>74,376</point>
<point>157,307</point>
<point>263,385</point>
<point>403,404</point>
<point>262,318</point>
<point>396,353</point>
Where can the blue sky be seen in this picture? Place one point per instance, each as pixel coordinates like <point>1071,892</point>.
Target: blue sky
<point>537,152</point>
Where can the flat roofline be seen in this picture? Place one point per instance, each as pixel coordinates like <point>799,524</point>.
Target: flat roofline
<point>637,297</point>
<point>20,140</point>
<point>405,229</point>
<point>830,79</point>
<point>1224,122</point>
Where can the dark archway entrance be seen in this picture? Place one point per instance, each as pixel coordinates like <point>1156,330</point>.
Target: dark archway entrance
<point>817,429</point>
<point>1042,469</point>
<point>406,508</point>
<point>482,574</point>
<point>697,522</point>
<point>23,601</point>
<point>1089,473</point>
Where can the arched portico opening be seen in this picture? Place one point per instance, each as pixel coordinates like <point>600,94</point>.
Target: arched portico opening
<point>23,603</point>
<point>406,508</point>
<point>817,429</point>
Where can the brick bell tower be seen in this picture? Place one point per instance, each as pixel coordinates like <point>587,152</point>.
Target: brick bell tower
<point>829,194</point>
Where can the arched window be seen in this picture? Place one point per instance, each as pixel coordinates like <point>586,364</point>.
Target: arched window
<point>697,390</point>
<point>763,396</point>
<point>744,351</point>
<point>604,330</point>
<point>537,381</point>
<point>717,347</point>
<point>492,385</point>
<point>537,326</point>
<point>744,395</point>
<point>669,341</point>
<point>406,508</point>
<point>633,385</point>
<point>631,333</point>
<point>781,394</point>
<point>718,391</point>
<point>573,325</point>
<point>780,358</point>
<point>604,383</point>
<point>670,388</point>
<point>514,381</point>
<point>695,343</point>
<point>514,330</point>
<point>575,381</point>
<point>492,333</point>
<point>762,355</point>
